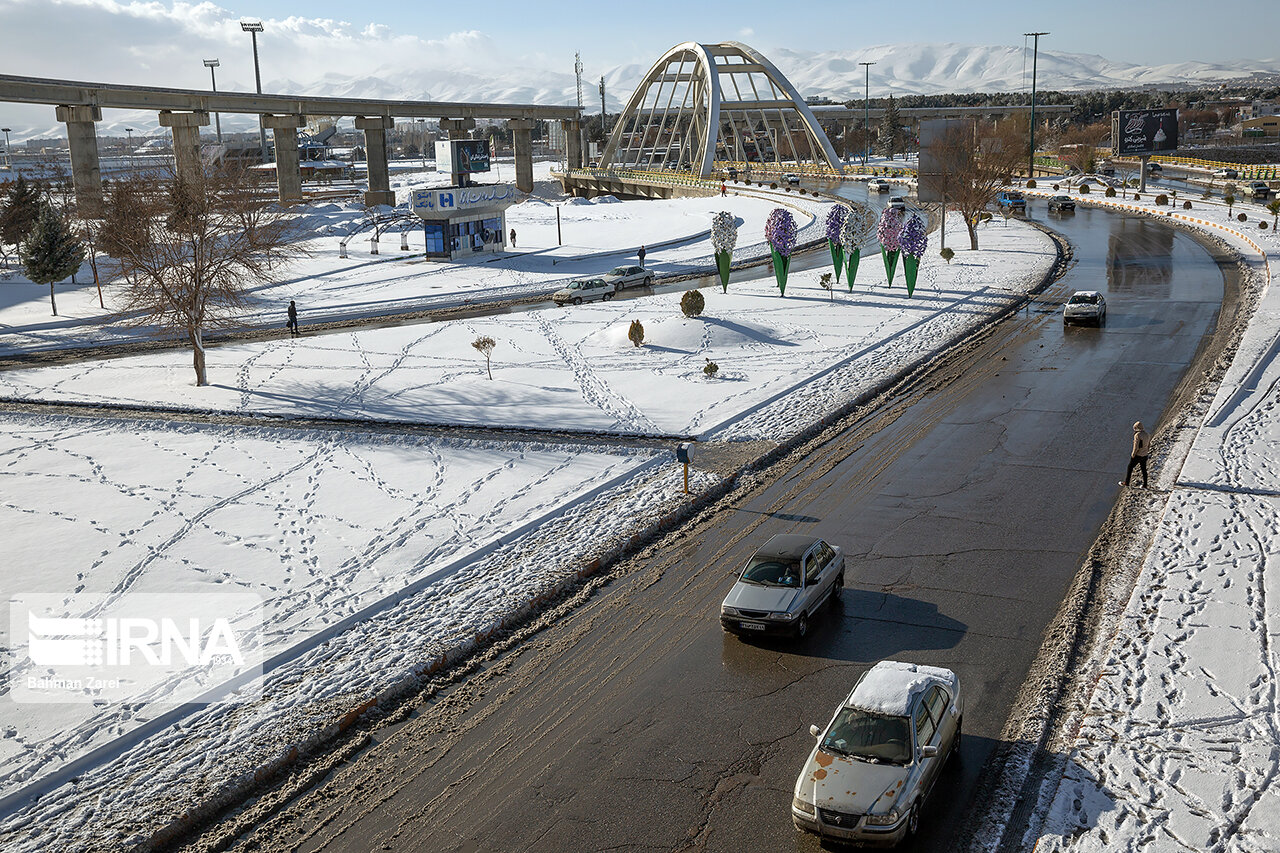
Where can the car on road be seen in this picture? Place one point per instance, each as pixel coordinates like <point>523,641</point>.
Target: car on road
<point>875,763</point>
<point>1011,200</point>
<point>1154,168</point>
<point>898,203</point>
<point>1085,306</point>
<point>791,178</point>
<point>1105,169</point>
<point>583,290</point>
<point>783,585</point>
<point>629,276</point>
<point>1260,190</point>
<point>878,185</point>
<point>732,172</point>
<point>1061,202</point>
<point>1228,174</point>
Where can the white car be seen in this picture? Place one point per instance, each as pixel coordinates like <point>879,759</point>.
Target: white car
<point>898,203</point>
<point>1085,306</point>
<point>629,276</point>
<point>782,586</point>
<point>878,185</point>
<point>583,290</point>
<point>877,760</point>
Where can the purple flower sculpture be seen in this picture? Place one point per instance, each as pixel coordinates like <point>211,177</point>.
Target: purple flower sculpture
<point>837,217</point>
<point>780,231</point>
<point>889,231</point>
<point>914,242</point>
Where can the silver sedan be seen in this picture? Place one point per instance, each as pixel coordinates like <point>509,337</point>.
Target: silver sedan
<point>783,585</point>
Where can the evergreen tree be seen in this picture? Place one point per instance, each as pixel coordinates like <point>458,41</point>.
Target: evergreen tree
<point>889,137</point>
<point>51,252</point>
<point>19,212</point>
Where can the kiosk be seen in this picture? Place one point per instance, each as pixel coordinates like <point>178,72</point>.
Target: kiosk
<point>465,218</point>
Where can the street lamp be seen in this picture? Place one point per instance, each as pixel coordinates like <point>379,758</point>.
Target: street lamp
<point>866,111</point>
<point>217,119</point>
<point>253,28</point>
<point>129,152</point>
<point>422,140</point>
<point>1035,53</point>
<point>8,158</point>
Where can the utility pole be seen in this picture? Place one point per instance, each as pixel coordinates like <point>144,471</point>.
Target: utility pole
<point>866,111</point>
<point>1035,55</point>
<point>582,130</point>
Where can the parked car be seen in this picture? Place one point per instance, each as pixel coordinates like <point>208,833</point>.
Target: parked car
<point>1228,174</point>
<point>874,765</point>
<point>791,178</point>
<point>1259,190</point>
<point>782,586</point>
<point>1085,306</point>
<point>878,185</point>
<point>583,290</point>
<point>732,173</point>
<point>1011,200</point>
<point>629,276</point>
<point>898,203</point>
<point>1061,202</point>
<point>1154,168</point>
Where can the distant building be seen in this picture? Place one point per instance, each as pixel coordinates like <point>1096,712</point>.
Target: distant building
<point>1258,109</point>
<point>1265,126</point>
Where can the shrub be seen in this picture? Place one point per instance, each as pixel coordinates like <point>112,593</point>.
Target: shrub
<point>1111,192</point>
<point>985,216</point>
<point>692,303</point>
<point>1162,199</point>
<point>1057,187</point>
<point>1243,217</point>
<point>1137,197</point>
<point>1031,184</point>
<point>711,368</point>
<point>636,332</point>
<point>1084,189</point>
<point>1186,205</point>
<point>773,185</point>
<point>1263,225</point>
<point>947,254</point>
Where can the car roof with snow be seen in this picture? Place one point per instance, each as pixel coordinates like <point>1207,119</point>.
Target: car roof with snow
<point>891,686</point>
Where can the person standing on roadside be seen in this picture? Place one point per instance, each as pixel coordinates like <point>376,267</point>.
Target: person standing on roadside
<point>640,255</point>
<point>1141,450</point>
<point>293,319</point>
<point>513,238</point>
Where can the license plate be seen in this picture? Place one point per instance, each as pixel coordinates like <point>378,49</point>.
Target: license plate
<point>752,626</point>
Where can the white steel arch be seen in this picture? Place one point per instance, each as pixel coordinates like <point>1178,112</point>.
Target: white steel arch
<point>700,103</point>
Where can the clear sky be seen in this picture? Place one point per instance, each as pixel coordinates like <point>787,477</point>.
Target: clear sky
<point>163,41</point>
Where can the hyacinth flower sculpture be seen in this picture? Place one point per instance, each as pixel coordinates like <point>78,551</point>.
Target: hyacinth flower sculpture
<point>889,232</point>
<point>724,236</point>
<point>780,231</point>
<point>836,218</point>
<point>914,241</point>
<point>852,233</point>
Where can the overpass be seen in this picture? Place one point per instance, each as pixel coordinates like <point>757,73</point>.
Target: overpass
<point>184,111</point>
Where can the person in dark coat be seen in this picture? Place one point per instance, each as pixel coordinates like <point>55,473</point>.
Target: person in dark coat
<point>1141,450</point>
<point>513,238</point>
<point>640,255</point>
<point>293,319</point>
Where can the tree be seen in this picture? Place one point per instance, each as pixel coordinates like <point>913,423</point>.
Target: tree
<point>485,345</point>
<point>976,162</point>
<point>190,251</point>
<point>1273,207</point>
<point>51,252</point>
<point>1078,146</point>
<point>1231,203</point>
<point>635,332</point>
<point>19,212</point>
<point>889,139</point>
<point>692,303</point>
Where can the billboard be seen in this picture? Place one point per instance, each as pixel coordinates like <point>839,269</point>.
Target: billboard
<point>462,156</point>
<point>945,146</point>
<point>1144,131</point>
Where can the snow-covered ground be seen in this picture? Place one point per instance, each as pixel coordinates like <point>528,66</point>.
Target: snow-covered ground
<point>410,546</point>
<point>1180,748</point>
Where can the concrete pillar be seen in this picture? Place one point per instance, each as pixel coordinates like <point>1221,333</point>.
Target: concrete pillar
<point>457,128</point>
<point>86,174</point>
<point>521,130</point>
<point>375,153</point>
<point>284,130</point>
<point>573,142</point>
<point>186,141</point>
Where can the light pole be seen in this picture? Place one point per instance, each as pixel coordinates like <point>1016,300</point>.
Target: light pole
<point>866,111</point>
<point>422,140</point>
<point>217,118</point>
<point>1031,154</point>
<point>253,28</point>
<point>8,157</point>
<point>129,153</point>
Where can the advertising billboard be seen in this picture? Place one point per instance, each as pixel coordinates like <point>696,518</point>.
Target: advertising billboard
<point>462,156</point>
<point>945,148</point>
<point>1144,131</point>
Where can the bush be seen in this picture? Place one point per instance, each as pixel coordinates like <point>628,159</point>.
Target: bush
<point>947,254</point>
<point>1263,225</point>
<point>1162,199</point>
<point>1111,192</point>
<point>1243,217</point>
<point>636,332</point>
<point>773,185</point>
<point>711,368</point>
<point>1084,189</point>
<point>1031,183</point>
<point>1057,187</point>
<point>1186,205</point>
<point>1137,197</point>
<point>692,303</point>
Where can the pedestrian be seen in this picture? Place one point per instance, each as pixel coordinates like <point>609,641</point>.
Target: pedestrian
<point>722,190</point>
<point>293,319</point>
<point>640,254</point>
<point>513,238</point>
<point>1141,449</point>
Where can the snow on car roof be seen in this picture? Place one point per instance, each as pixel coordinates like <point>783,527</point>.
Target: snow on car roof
<point>889,686</point>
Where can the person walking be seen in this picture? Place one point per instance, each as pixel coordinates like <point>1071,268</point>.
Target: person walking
<point>640,255</point>
<point>1141,449</point>
<point>293,319</point>
<point>513,238</point>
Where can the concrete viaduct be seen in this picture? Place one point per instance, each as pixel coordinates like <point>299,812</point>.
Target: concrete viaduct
<point>185,111</point>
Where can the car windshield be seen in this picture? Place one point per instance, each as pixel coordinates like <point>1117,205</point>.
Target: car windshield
<point>1013,195</point>
<point>772,571</point>
<point>620,271</point>
<point>869,736</point>
<point>1083,298</point>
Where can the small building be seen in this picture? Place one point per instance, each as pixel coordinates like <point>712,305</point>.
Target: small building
<point>1268,126</point>
<point>462,221</point>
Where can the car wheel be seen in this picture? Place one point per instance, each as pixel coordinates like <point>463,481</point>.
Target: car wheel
<point>913,820</point>
<point>802,627</point>
<point>836,589</point>
<point>606,297</point>
<point>577,300</point>
<point>648,282</point>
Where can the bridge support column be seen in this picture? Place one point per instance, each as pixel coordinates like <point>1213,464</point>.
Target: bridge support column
<point>521,131</point>
<point>82,139</point>
<point>375,152</point>
<point>572,142</point>
<point>457,128</point>
<point>186,141</point>
<point>284,129</point>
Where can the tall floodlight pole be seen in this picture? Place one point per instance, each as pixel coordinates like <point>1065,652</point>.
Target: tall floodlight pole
<point>422,140</point>
<point>604,120</point>
<point>253,28</point>
<point>217,117</point>
<point>1035,54</point>
<point>866,110</point>
<point>8,157</point>
<point>129,133</point>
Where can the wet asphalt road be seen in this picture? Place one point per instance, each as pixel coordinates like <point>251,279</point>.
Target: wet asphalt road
<point>965,508</point>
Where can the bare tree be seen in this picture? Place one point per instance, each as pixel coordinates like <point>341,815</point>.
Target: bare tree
<point>189,251</point>
<point>486,345</point>
<point>1079,145</point>
<point>978,160</point>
